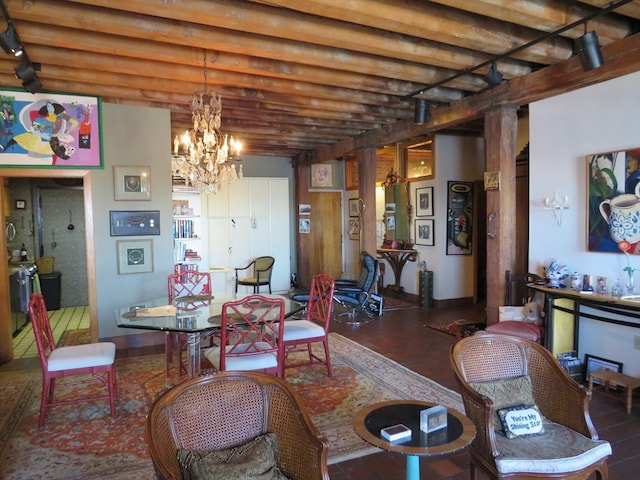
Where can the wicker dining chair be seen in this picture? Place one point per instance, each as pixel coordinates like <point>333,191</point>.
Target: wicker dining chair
<point>228,409</point>
<point>497,371</point>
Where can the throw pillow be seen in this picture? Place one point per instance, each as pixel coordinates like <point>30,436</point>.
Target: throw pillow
<point>521,421</point>
<point>506,393</point>
<point>254,460</point>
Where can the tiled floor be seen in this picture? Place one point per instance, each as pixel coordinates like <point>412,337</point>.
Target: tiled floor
<point>403,336</point>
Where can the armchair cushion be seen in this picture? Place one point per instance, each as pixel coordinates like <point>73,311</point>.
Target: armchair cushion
<point>521,420</point>
<point>254,460</point>
<point>506,393</point>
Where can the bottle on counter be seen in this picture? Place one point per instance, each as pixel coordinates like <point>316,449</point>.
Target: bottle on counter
<point>23,253</point>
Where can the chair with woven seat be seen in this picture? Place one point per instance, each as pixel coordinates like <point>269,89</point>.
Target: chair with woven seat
<point>300,335</point>
<point>188,284</point>
<point>354,295</point>
<point>249,336</point>
<point>500,376</point>
<point>95,359</point>
<point>518,294</point>
<point>229,409</point>
<point>259,271</point>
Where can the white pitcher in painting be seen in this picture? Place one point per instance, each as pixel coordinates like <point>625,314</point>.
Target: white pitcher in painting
<point>622,213</point>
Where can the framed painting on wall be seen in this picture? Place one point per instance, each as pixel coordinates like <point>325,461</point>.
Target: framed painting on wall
<point>614,202</point>
<point>424,232</point>
<point>459,217</point>
<point>49,130</point>
<point>131,183</point>
<point>135,256</point>
<point>424,202</point>
<point>321,175</point>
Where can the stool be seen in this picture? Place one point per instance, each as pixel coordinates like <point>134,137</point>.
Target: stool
<point>528,331</point>
<point>609,378</point>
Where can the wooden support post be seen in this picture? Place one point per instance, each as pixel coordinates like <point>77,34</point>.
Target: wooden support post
<point>366,158</point>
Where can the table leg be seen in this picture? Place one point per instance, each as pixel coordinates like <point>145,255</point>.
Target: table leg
<point>413,467</point>
<point>193,351</point>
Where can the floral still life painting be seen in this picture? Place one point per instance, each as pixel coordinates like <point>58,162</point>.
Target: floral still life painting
<point>49,130</point>
<point>614,201</point>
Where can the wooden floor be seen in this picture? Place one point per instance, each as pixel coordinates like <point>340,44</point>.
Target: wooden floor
<point>403,335</point>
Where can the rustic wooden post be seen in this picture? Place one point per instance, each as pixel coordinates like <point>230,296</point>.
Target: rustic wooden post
<point>366,158</point>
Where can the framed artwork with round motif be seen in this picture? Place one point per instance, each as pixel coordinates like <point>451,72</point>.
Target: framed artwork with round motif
<point>321,175</point>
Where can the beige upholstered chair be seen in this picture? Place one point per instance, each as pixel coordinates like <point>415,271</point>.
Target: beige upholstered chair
<point>259,274</point>
<point>501,366</point>
<point>228,409</point>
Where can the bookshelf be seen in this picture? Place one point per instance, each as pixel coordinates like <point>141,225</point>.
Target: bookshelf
<point>189,229</point>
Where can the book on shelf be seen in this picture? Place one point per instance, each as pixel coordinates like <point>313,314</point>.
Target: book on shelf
<point>396,432</point>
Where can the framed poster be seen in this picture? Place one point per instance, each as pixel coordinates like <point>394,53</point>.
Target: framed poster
<point>424,232</point>
<point>354,229</point>
<point>354,211</point>
<point>594,364</point>
<point>424,202</point>
<point>613,202</point>
<point>321,175</point>
<point>49,130</point>
<point>134,222</point>
<point>135,256</point>
<point>131,183</point>
<point>459,217</point>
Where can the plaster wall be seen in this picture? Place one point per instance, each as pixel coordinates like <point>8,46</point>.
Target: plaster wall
<point>564,130</point>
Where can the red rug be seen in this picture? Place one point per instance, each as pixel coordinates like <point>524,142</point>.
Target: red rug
<point>458,328</point>
<point>84,442</point>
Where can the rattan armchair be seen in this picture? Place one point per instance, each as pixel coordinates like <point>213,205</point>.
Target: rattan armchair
<point>230,408</point>
<point>569,448</point>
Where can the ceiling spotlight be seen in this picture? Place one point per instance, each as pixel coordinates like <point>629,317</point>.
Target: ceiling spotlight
<point>493,76</point>
<point>25,70</point>
<point>10,42</point>
<point>422,114</point>
<point>33,85</point>
<point>588,49</point>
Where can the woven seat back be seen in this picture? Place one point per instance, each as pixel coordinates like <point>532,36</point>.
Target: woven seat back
<point>486,358</point>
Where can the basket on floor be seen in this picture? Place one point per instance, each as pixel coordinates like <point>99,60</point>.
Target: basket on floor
<point>45,264</point>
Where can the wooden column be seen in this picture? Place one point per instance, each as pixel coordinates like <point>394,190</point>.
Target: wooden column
<point>301,185</point>
<point>366,158</point>
<point>500,132</point>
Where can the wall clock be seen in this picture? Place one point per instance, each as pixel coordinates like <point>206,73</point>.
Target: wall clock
<point>321,175</point>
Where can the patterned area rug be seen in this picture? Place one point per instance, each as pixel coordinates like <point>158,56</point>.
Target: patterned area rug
<point>84,442</point>
<point>459,328</point>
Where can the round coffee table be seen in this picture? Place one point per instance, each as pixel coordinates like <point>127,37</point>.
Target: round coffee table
<point>370,420</point>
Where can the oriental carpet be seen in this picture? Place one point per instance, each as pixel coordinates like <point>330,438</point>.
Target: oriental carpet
<point>84,442</point>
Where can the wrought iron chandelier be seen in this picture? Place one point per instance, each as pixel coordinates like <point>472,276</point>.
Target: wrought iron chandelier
<point>205,157</point>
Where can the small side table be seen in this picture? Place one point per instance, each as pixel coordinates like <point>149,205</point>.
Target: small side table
<point>609,378</point>
<point>457,435</point>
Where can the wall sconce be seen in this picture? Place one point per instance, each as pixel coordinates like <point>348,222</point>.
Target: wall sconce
<point>588,49</point>
<point>557,206</point>
<point>422,113</point>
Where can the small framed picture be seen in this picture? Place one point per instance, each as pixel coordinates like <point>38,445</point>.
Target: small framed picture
<point>424,232</point>
<point>594,364</point>
<point>135,256</point>
<point>424,202</point>
<point>304,225</point>
<point>21,204</point>
<point>321,175</point>
<point>134,223</point>
<point>304,209</point>
<point>132,183</point>
<point>434,418</point>
<point>354,211</point>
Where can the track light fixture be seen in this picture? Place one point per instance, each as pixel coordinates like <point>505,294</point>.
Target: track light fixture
<point>588,49</point>
<point>493,77</point>
<point>422,113</point>
<point>26,71</point>
<point>10,42</point>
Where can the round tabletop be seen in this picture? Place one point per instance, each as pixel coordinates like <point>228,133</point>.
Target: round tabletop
<point>368,422</point>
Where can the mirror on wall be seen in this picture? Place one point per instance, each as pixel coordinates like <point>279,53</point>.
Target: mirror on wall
<point>419,160</point>
<point>397,212</point>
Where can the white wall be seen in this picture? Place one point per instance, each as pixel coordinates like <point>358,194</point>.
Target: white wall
<point>563,131</point>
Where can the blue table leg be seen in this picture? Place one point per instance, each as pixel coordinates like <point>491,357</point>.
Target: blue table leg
<point>413,467</point>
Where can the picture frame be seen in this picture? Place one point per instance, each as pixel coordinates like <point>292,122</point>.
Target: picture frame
<point>424,202</point>
<point>135,256</point>
<point>51,130</point>
<point>20,204</point>
<point>134,222</point>
<point>304,225</point>
<point>594,364</point>
<point>321,175</point>
<point>353,207</point>
<point>459,217</point>
<point>424,233</point>
<point>354,229</point>
<point>132,183</point>
<point>434,418</point>
<point>304,209</point>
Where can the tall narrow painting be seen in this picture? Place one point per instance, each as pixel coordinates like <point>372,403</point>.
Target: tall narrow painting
<point>614,202</point>
<point>459,217</point>
<point>49,130</point>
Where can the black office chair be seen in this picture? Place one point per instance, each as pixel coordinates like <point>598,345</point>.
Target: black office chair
<point>354,295</point>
